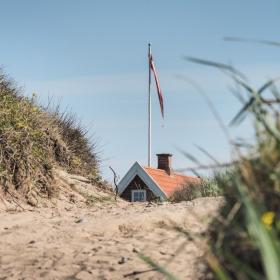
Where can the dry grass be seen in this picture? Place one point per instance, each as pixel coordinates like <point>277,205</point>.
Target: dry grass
<point>33,141</point>
<point>84,156</point>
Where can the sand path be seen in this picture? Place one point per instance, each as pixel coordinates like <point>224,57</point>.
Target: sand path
<point>72,241</point>
<point>100,242</point>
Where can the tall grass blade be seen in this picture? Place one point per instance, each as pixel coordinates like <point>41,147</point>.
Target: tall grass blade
<point>256,94</point>
<point>207,154</point>
<point>246,269</point>
<point>269,248</point>
<point>268,84</point>
<point>275,92</point>
<point>157,267</point>
<point>216,267</point>
<point>240,116</point>
<point>244,40</point>
<point>272,130</point>
<point>236,93</point>
<point>190,157</point>
<point>218,65</point>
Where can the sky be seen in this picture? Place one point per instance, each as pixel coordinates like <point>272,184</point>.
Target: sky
<point>91,56</point>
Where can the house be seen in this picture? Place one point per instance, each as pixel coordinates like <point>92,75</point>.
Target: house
<point>147,183</point>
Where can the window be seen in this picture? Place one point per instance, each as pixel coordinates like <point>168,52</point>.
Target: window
<point>138,195</point>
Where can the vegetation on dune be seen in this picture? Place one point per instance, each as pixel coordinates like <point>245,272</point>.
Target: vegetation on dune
<point>33,141</point>
<point>244,240</point>
<point>190,191</point>
<point>246,237</point>
<point>84,158</point>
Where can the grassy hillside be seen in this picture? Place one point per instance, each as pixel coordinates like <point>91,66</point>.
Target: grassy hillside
<point>35,140</point>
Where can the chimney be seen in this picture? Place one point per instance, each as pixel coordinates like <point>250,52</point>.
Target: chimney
<point>164,163</point>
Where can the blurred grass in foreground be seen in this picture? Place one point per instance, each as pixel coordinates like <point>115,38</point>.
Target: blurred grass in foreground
<point>243,241</point>
<point>245,237</point>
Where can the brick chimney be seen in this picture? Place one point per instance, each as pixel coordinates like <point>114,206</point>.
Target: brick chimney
<point>164,163</point>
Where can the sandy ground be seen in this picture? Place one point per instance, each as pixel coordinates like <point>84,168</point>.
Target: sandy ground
<point>101,239</point>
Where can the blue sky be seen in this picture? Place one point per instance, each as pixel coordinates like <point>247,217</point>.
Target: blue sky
<point>92,55</point>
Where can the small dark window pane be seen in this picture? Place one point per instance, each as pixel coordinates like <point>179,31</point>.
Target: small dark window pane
<point>139,195</point>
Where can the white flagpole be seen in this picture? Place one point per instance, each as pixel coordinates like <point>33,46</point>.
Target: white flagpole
<point>149,110</point>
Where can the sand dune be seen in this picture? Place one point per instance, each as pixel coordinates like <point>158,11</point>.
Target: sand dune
<point>71,239</point>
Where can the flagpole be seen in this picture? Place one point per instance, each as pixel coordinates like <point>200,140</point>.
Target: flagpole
<point>149,110</point>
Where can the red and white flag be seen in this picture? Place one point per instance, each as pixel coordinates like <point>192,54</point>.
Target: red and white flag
<point>160,95</point>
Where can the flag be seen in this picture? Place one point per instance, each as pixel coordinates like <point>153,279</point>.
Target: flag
<point>160,96</point>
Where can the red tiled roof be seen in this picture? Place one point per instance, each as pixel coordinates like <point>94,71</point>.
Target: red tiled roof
<point>170,183</point>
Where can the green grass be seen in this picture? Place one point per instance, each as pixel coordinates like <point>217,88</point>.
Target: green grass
<point>190,191</point>
<point>245,238</point>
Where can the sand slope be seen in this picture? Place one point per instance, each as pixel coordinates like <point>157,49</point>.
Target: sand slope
<point>73,240</point>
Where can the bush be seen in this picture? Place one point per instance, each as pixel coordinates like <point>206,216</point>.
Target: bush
<point>188,192</point>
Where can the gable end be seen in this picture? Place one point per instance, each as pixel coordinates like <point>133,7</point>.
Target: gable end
<point>135,170</point>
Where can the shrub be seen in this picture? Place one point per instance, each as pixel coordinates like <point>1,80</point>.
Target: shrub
<point>188,192</point>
